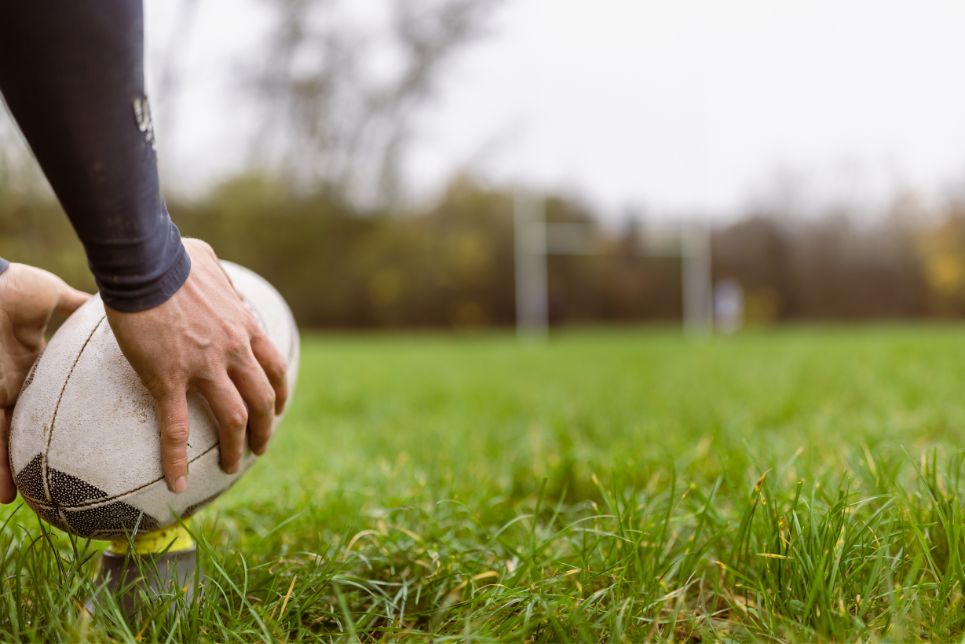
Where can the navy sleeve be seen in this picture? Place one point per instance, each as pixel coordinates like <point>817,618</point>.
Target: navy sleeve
<point>72,75</point>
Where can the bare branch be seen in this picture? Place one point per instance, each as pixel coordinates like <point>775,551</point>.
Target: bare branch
<point>338,101</point>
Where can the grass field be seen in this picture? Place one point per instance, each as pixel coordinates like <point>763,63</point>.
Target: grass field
<point>802,484</point>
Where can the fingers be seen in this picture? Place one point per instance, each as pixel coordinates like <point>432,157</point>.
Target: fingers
<point>268,356</point>
<point>70,300</point>
<point>8,491</point>
<point>259,396</point>
<point>229,408</point>
<point>173,416</point>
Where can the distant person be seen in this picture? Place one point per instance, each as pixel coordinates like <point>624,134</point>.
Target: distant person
<point>72,75</point>
<point>728,305</point>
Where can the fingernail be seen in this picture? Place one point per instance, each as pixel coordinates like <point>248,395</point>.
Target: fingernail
<point>234,468</point>
<point>180,485</point>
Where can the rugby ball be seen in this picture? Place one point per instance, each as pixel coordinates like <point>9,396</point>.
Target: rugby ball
<point>85,440</point>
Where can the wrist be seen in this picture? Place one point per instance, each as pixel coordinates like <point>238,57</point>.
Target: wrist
<point>141,292</point>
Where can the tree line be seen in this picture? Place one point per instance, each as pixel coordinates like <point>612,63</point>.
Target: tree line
<point>450,264</point>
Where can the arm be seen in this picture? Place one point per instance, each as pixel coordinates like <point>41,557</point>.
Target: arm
<point>71,74</point>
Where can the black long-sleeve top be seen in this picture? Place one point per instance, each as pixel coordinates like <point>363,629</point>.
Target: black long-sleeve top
<point>71,73</point>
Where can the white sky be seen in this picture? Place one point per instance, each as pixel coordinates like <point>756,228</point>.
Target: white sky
<point>673,106</point>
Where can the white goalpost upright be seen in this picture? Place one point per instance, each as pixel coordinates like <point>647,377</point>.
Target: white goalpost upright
<point>532,295</point>
<point>535,239</point>
<point>697,281</point>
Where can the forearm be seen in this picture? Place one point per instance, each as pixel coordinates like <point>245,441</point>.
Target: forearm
<point>72,75</point>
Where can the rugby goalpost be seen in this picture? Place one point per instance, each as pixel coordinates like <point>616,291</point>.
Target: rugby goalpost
<point>536,239</point>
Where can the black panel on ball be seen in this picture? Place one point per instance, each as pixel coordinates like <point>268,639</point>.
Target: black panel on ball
<point>111,521</point>
<point>30,480</point>
<point>86,508</point>
<point>69,490</point>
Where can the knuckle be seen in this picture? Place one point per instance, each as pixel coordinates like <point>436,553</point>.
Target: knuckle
<point>177,434</point>
<point>237,344</point>
<point>237,418</point>
<point>266,401</point>
<point>161,386</point>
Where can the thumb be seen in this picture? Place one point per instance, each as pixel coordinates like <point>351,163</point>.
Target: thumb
<point>70,299</point>
<point>172,412</point>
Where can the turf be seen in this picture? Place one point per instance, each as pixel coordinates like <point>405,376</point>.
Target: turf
<point>802,484</point>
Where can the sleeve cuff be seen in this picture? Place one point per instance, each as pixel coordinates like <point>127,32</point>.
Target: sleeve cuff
<point>4,265</point>
<point>163,289</point>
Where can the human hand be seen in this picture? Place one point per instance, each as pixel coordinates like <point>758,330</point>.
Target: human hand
<point>205,339</point>
<point>28,297</point>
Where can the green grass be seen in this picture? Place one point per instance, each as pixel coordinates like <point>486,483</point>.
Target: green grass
<point>804,484</point>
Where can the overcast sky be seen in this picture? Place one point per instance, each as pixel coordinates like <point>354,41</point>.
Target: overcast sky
<point>672,107</point>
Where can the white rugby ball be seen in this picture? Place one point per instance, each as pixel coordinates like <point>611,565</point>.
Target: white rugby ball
<point>85,440</point>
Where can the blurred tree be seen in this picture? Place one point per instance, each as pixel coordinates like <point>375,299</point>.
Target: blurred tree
<point>450,264</point>
<point>338,102</point>
<point>824,268</point>
<point>942,253</point>
<point>754,252</point>
<point>33,228</point>
<point>20,177</point>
